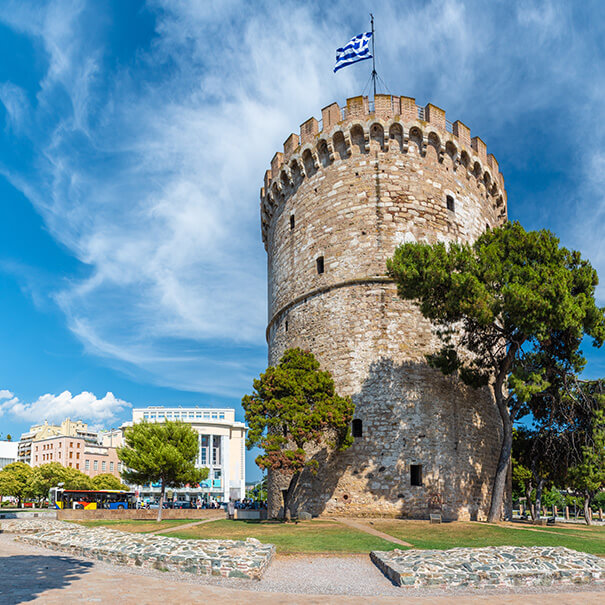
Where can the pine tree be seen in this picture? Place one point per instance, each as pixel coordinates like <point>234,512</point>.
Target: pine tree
<point>164,452</point>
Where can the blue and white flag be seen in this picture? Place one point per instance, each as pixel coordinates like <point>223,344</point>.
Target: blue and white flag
<point>356,50</point>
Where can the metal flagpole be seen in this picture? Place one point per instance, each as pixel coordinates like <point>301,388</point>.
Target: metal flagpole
<point>374,74</point>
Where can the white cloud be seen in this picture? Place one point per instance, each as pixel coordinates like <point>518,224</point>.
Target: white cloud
<point>149,172</point>
<point>55,408</point>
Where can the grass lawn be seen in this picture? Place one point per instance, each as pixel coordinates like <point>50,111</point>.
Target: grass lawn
<point>451,535</point>
<point>142,527</point>
<point>317,536</point>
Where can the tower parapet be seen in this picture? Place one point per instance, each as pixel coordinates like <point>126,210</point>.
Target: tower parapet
<point>337,201</point>
<point>394,122</point>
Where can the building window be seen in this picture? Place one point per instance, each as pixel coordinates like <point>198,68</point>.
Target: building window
<point>357,428</point>
<point>286,325</point>
<point>292,222</point>
<point>95,465</point>
<point>77,465</point>
<point>87,465</point>
<point>320,264</point>
<point>204,450</point>
<point>449,199</point>
<point>111,467</point>
<point>71,444</point>
<point>71,454</point>
<point>416,474</point>
<point>59,454</point>
<point>119,467</point>
<point>103,466</point>
<point>216,450</point>
<point>78,455</point>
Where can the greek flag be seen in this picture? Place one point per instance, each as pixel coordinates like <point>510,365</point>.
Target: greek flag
<point>356,50</point>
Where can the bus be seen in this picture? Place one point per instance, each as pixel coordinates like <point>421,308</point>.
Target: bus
<point>90,499</point>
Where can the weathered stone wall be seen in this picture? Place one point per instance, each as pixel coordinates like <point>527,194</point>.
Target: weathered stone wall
<point>138,514</point>
<point>350,194</point>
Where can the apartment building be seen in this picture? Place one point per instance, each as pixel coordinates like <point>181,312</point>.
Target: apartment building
<point>222,450</point>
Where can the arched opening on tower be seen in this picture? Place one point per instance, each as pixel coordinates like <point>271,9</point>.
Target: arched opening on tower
<point>340,145</point>
<point>357,428</point>
<point>358,138</point>
<point>324,153</point>
<point>309,163</point>
<point>416,138</point>
<point>377,137</point>
<point>396,134</point>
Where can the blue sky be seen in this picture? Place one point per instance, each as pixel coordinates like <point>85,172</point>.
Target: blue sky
<point>133,141</point>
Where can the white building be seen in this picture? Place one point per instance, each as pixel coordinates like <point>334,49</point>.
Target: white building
<point>8,452</point>
<point>222,449</point>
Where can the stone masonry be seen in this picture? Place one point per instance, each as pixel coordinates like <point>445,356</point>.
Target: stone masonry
<point>334,206</point>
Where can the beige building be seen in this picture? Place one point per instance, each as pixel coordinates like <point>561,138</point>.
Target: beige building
<point>38,432</point>
<point>222,449</point>
<point>90,458</point>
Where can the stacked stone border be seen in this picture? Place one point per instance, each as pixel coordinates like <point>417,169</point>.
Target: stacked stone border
<point>392,121</point>
<point>227,558</point>
<point>491,567</point>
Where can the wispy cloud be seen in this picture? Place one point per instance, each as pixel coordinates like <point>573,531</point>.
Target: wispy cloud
<point>55,408</point>
<point>148,167</point>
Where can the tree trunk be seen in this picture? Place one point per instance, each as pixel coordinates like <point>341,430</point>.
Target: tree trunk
<point>499,487</point>
<point>539,488</point>
<point>587,500</point>
<point>532,511</point>
<point>161,507</point>
<point>289,492</point>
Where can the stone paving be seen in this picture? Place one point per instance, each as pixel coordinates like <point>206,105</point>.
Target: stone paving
<point>228,558</point>
<point>490,567</point>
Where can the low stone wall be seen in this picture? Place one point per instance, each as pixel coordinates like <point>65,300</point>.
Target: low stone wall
<point>247,514</point>
<point>228,558</point>
<point>489,567</point>
<point>140,514</point>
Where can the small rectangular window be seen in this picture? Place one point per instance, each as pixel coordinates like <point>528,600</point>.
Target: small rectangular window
<point>111,467</point>
<point>103,466</point>
<point>95,465</point>
<point>416,474</point>
<point>320,264</point>
<point>87,465</point>
<point>292,222</point>
<point>450,203</point>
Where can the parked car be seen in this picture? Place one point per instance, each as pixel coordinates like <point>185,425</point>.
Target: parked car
<point>183,504</point>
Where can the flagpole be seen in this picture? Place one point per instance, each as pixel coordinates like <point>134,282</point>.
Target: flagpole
<point>374,74</point>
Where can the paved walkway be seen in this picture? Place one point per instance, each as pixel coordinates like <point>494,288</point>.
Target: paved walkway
<point>31,574</point>
<point>370,530</point>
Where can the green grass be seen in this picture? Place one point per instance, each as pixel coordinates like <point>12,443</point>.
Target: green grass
<point>140,526</point>
<point>451,535</point>
<point>316,536</point>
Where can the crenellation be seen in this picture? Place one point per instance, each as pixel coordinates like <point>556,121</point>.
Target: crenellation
<point>435,115</point>
<point>276,164</point>
<point>291,144</point>
<point>330,116</point>
<point>308,131</point>
<point>462,132</point>
<point>480,148</point>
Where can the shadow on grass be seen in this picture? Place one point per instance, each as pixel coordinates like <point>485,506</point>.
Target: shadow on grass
<point>26,577</point>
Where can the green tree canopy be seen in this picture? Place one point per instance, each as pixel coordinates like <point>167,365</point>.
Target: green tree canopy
<point>164,452</point>
<point>295,405</point>
<point>46,476</point>
<point>497,304</point>
<point>107,481</point>
<point>16,480</point>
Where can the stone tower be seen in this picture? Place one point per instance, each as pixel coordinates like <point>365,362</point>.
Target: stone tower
<point>334,206</point>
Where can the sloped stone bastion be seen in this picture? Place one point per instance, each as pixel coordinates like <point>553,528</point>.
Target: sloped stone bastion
<point>489,567</point>
<point>228,558</point>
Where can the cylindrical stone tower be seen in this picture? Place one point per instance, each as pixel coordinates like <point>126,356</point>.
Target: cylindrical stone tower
<point>334,206</point>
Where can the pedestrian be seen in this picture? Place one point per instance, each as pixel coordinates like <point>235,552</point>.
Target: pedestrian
<point>231,509</point>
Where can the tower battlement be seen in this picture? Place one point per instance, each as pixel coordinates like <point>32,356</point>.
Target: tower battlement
<point>392,123</point>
